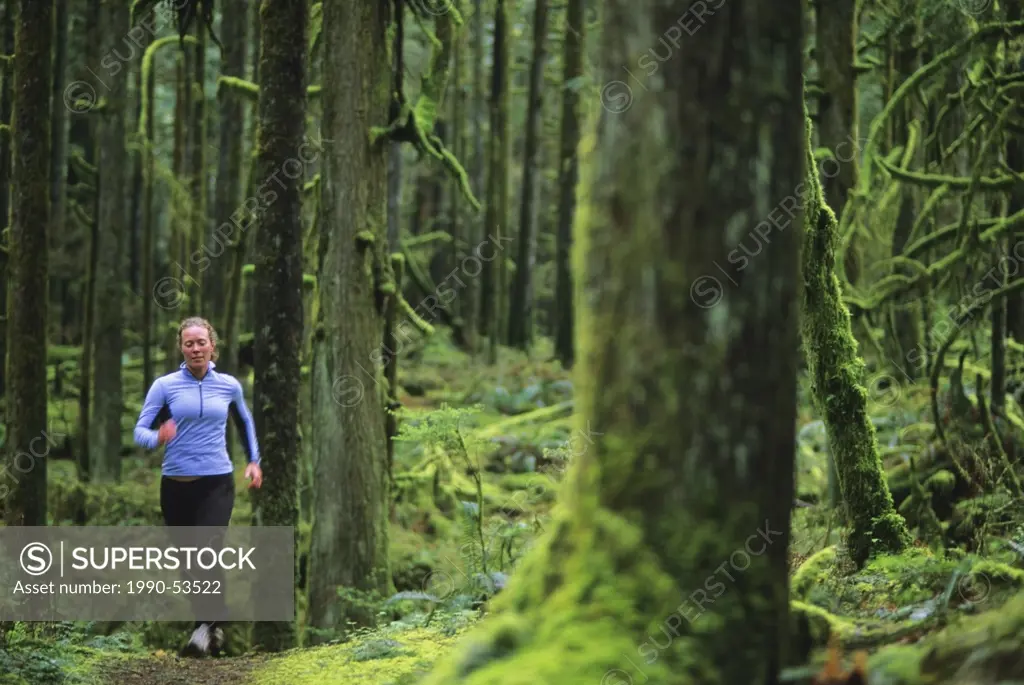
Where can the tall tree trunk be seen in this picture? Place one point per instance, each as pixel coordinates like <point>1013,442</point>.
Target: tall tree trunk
<point>148,219</point>
<point>85,368</point>
<point>905,342</point>
<point>837,374</point>
<point>471,308</point>
<point>664,180</point>
<point>836,24</point>
<point>235,284</point>
<point>59,162</point>
<point>520,319</point>
<point>112,215</point>
<point>5,185</point>
<point>278,274</point>
<point>230,169</point>
<point>349,546</point>
<point>568,172</point>
<point>25,461</point>
<point>496,216</point>
<point>197,172</point>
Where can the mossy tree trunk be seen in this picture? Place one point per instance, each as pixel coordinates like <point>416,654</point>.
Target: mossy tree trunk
<point>230,170</point>
<point>28,302</point>
<point>112,216</point>
<point>837,374</point>
<point>520,319</point>
<point>349,547</point>
<point>667,560</point>
<point>568,173</point>
<point>278,274</point>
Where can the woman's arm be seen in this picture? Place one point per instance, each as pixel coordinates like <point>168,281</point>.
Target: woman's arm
<point>244,423</point>
<point>145,435</point>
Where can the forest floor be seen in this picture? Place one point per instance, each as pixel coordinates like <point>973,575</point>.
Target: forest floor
<point>949,610</point>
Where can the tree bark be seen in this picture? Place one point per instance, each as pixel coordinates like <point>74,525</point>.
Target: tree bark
<point>836,24</point>
<point>520,320</point>
<point>59,164</point>
<point>349,547</point>
<point>493,290</point>
<point>672,508</point>
<point>568,173</point>
<point>230,169</point>
<point>5,197</point>
<point>112,219</point>
<point>837,374</point>
<point>278,274</point>
<point>28,439</point>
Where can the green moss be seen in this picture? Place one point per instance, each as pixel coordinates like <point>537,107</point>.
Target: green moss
<point>812,572</point>
<point>384,656</point>
<point>837,374</point>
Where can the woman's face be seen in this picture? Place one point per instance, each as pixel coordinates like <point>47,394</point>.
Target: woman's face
<point>196,347</point>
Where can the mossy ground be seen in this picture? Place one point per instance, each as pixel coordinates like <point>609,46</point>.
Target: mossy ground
<point>923,616</point>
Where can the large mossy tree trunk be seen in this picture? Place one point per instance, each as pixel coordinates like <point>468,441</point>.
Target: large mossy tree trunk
<point>837,375</point>
<point>568,173</point>
<point>26,443</point>
<point>112,216</point>
<point>520,319</point>
<point>349,546</point>
<point>667,560</point>
<point>278,276</point>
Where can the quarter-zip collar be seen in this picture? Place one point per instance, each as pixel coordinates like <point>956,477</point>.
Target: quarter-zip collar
<point>210,371</point>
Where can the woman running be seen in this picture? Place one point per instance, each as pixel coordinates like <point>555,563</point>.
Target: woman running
<point>187,410</point>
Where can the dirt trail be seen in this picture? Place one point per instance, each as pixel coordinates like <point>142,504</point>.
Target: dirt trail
<point>173,670</point>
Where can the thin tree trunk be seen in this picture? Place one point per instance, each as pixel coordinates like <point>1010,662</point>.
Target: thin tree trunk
<point>349,546</point>
<point>568,173</point>
<point>837,374</point>
<point>278,275</point>
<point>59,162</point>
<point>85,367</point>
<point>5,185</point>
<point>672,508</point>
<point>837,26</point>
<point>197,174</point>
<point>471,308</point>
<point>230,169</point>
<point>148,256</point>
<point>25,461</point>
<point>520,320</point>
<point>496,216</point>
<point>112,217</point>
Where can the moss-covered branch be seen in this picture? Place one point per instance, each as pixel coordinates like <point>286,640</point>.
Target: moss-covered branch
<point>414,123</point>
<point>250,91</point>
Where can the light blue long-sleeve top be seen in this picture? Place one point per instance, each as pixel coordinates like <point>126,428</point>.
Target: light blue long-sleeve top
<point>200,409</point>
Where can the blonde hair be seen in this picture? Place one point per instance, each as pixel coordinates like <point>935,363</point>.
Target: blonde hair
<point>202,323</point>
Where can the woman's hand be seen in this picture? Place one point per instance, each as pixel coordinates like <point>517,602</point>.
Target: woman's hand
<point>167,431</point>
<point>255,475</point>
